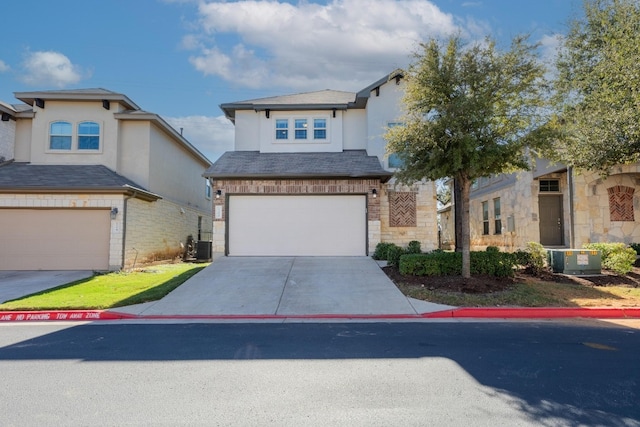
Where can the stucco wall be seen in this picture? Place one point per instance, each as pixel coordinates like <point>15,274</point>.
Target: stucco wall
<point>269,143</point>
<point>7,139</point>
<point>23,140</point>
<point>382,110</point>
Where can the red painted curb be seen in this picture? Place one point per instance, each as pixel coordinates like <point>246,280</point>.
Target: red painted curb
<point>76,315</point>
<point>460,313</point>
<point>536,313</point>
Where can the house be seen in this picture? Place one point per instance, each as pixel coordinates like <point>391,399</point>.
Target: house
<point>555,206</point>
<point>309,175</point>
<point>91,181</point>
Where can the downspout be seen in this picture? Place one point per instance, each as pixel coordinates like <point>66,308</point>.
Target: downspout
<point>124,225</point>
<point>572,237</point>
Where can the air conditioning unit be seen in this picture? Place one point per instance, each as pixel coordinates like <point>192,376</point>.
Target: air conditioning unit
<point>575,261</point>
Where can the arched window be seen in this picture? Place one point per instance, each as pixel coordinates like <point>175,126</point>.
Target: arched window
<point>60,136</point>
<point>88,136</point>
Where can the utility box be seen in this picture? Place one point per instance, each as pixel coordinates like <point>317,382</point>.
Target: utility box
<point>575,261</point>
<point>203,250</point>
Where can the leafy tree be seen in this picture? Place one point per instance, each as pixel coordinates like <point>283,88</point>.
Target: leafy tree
<point>598,86</point>
<point>443,192</point>
<point>470,112</point>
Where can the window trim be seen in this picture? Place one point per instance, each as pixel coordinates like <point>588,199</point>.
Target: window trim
<point>207,189</point>
<point>485,218</point>
<point>75,138</point>
<point>69,135</point>
<point>294,137</point>
<point>497,217</point>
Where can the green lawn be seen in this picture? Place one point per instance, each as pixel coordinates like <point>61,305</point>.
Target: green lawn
<point>109,290</point>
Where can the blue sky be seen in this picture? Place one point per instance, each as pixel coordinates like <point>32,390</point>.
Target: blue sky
<point>182,58</point>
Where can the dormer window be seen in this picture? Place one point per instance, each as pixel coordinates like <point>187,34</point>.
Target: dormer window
<point>60,136</point>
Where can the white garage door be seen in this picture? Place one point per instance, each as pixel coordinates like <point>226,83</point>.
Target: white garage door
<point>297,225</point>
<point>54,239</point>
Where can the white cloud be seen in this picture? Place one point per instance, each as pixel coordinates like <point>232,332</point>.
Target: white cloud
<point>3,66</point>
<point>339,45</point>
<point>50,69</point>
<point>211,135</point>
<point>550,47</point>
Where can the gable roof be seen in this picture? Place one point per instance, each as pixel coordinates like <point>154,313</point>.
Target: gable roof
<point>253,164</point>
<point>25,177</point>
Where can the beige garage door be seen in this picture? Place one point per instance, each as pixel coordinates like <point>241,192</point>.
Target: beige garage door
<point>54,239</point>
<point>297,225</point>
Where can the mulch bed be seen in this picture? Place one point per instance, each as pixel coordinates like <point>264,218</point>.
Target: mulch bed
<point>481,284</point>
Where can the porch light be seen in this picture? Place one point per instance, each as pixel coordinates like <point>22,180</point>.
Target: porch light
<point>218,194</point>
<point>374,192</point>
<point>114,213</point>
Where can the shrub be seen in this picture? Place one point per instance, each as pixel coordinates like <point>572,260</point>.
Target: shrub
<point>493,249</point>
<point>522,258</point>
<point>393,255</point>
<point>382,250</point>
<point>635,247</point>
<point>616,257</point>
<point>414,247</point>
<point>537,257</point>
<point>450,263</point>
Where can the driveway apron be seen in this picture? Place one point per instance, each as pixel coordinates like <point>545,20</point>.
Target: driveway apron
<point>283,286</point>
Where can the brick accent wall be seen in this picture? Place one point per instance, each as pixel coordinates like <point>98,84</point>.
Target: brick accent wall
<point>402,209</point>
<point>301,186</point>
<point>621,203</point>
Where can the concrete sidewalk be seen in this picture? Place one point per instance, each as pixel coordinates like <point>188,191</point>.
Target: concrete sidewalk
<point>286,286</point>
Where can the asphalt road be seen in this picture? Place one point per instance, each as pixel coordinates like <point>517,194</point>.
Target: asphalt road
<point>329,374</point>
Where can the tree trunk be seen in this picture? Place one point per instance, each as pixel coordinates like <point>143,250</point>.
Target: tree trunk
<point>465,190</point>
<point>457,214</point>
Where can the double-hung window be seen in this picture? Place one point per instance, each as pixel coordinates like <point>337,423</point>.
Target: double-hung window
<point>393,159</point>
<point>60,136</point>
<point>485,218</point>
<point>319,128</point>
<point>282,129</point>
<point>88,136</point>
<point>301,128</point>
<point>496,216</point>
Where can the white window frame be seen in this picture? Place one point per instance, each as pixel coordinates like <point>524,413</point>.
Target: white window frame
<point>309,129</point>
<point>75,136</point>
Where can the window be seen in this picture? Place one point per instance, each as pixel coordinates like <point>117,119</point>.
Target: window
<point>485,217</point>
<point>282,129</point>
<point>496,216</point>
<point>395,161</point>
<point>301,128</point>
<point>319,128</point>
<point>207,189</point>
<point>88,136</point>
<point>549,185</point>
<point>60,136</point>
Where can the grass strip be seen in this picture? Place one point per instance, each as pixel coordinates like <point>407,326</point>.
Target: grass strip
<point>109,290</point>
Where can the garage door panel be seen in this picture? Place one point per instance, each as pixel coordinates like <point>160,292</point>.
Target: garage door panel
<point>54,239</point>
<point>297,225</point>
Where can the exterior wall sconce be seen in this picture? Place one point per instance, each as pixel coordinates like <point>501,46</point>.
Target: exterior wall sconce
<point>218,194</point>
<point>374,193</point>
<point>114,213</point>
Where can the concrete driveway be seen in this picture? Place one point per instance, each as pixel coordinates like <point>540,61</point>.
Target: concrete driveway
<point>15,284</point>
<point>286,286</point>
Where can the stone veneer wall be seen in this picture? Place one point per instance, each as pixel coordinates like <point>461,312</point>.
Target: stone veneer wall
<point>296,186</point>
<point>592,214</point>
<point>426,224</point>
<point>519,201</point>
<point>159,230</point>
<point>77,201</point>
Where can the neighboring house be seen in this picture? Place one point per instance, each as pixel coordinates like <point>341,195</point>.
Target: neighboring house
<point>95,183</point>
<point>310,176</point>
<point>556,207</point>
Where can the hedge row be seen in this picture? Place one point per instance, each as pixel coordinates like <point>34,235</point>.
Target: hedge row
<point>438,263</point>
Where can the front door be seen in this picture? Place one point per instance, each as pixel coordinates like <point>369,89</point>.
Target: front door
<point>551,225</point>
